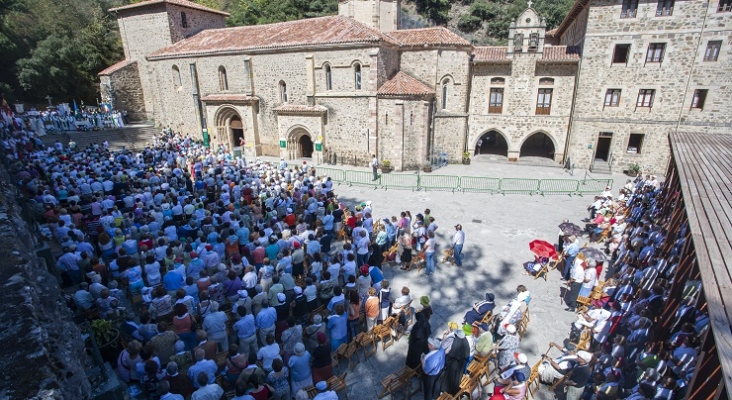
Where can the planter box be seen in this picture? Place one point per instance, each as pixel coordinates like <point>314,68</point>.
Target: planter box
<point>427,168</point>
<point>386,170</point>
<point>466,161</point>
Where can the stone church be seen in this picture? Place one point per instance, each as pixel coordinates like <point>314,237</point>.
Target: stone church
<point>603,90</point>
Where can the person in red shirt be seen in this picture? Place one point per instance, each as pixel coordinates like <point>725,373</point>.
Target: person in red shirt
<point>258,256</point>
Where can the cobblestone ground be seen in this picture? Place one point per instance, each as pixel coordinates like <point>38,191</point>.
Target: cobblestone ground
<point>498,229</point>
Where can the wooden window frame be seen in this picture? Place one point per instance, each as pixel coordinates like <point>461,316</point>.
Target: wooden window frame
<point>714,45</point>
<point>665,8</point>
<point>645,98</point>
<point>629,9</point>
<point>495,106</point>
<point>699,98</point>
<point>653,55</point>
<point>627,53</point>
<point>612,98</point>
<point>544,107</point>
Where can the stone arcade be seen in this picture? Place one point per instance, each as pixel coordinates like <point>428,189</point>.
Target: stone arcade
<point>605,88</point>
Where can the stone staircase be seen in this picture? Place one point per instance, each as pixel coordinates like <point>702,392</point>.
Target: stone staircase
<point>601,167</point>
<point>132,137</point>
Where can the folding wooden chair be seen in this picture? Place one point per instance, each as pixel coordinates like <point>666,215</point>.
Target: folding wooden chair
<point>398,381</point>
<point>351,350</point>
<point>543,271</point>
<point>583,304</point>
<point>383,333</point>
<point>533,384</point>
<point>556,263</point>
<point>468,385</point>
<point>363,340</point>
<point>338,383</point>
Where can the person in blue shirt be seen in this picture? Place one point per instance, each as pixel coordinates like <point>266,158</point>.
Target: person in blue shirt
<point>432,364</point>
<point>195,266</point>
<point>570,252</point>
<point>265,321</point>
<point>337,327</point>
<point>328,221</point>
<point>272,250</point>
<point>173,281</point>
<point>243,234</point>
<point>376,277</point>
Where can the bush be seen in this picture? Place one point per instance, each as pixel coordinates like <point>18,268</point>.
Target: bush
<point>469,23</point>
<point>385,163</point>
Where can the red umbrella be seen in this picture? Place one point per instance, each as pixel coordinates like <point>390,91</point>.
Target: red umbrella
<point>542,248</point>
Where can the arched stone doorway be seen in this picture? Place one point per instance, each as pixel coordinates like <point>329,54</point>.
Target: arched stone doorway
<point>229,127</point>
<point>538,145</point>
<point>299,144</point>
<point>491,142</point>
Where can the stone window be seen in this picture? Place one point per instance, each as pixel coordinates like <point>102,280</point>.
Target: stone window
<point>612,97</point>
<point>533,41</point>
<point>386,119</point>
<point>645,98</point>
<point>497,81</point>
<point>635,143</point>
<point>544,102</point>
<point>357,76</point>
<point>700,96</point>
<point>444,93</point>
<point>724,6</point>
<point>183,20</point>
<point>546,81</point>
<point>629,9</point>
<point>665,8</point>
<point>223,81</point>
<point>176,77</point>
<point>655,52</point>
<point>495,104</point>
<point>518,42</point>
<point>328,78</point>
<point>621,53</point>
<point>411,119</point>
<point>283,92</point>
<point>712,52</point>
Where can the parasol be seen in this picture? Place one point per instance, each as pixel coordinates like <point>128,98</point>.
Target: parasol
<point>542,248</point>
<point>570,229</point>
<point>593,253</point>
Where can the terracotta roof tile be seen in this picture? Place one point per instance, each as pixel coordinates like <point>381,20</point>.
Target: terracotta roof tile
<point>491,54</point>
<point>330,30</point>
<point>116,67</point>
<point>404,85</point>
<point>300,109</point>
<point>561,53</point>
<point>181,3</point>
<point>229,97</point>
<point>437,36</point>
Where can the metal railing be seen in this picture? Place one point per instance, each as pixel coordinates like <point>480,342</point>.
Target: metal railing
<point>466,184</point>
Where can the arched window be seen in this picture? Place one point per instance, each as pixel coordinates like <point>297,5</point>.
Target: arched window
<point>223,81</point>
<point>357,76</point>
<point>546,81</point>
<point>283,92</point>
<point>444,93</point>
<point>176,77</point>
<point>183,20</point>
<point>328,78</point>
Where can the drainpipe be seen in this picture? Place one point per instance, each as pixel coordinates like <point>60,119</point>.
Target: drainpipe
<point>471,76</point>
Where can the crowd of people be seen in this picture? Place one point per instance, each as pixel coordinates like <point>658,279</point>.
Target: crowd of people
<point>230,256</point>
<point>60,120</point>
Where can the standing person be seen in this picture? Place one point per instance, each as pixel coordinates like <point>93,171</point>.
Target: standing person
<point>429,252</point>
<point>375,167</point>
<point>418,338</point>
<point>458,240</point>
<point>455,361</point>
<point>575,282</point>
<point>570,252</point>
<point>432,365</point>
<point>478,145</point>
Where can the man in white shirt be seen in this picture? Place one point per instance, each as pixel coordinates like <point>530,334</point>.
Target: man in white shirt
<point>429,252</point>
<point>458,240</point>
<point>207,391</point>
<point>375,167</point>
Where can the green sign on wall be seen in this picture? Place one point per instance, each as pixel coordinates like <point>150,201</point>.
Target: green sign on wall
<point>283,144</point>
<point>318,146</point>
<point>206,138</point>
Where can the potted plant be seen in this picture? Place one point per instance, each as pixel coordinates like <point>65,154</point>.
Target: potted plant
<point>104,333</point>
<point>386,166</point>
<point>466,158</point>
<point>633,169</point>
<point>427,168</point>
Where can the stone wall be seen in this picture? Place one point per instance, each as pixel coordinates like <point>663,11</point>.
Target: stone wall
<point>403,132</point>
<point>128,92</point>
<point>681,71</point>
<point>41,352</point>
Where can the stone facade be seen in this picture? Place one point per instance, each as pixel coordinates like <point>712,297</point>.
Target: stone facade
<point>291,86</point>
<point>121,86</point>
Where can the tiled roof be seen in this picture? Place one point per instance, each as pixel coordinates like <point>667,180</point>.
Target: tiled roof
<point>300,109</point>
<point>561,53</point>
<point>116,67</point>
<point>491,54</point>
<point>229,97</point>
<point>181,3</point>
<point>292,34</point>
<point>438,36</point>
<point>404,85</point>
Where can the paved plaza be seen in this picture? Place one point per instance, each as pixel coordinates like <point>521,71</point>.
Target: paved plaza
<point>498,229</point>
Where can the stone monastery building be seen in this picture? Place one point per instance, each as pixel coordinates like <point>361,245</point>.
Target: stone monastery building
<point>605,88</point>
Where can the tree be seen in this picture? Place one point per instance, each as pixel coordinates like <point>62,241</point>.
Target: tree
<point>436,10</point>
<point>469,23</point>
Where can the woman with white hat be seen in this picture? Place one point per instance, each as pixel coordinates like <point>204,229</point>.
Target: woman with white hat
<point>299,364</point>
<point>507,346</point>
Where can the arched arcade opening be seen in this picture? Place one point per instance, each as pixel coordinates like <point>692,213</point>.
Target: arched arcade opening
<point>300,144</point>
<point>491,142</point>
<point>538,145</point>
<point>229,127</point>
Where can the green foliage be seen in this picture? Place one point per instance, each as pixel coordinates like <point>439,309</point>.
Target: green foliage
<point>255,12</point>
<point>436,10</point>
<point>634,168</point>
<point>7,92</point>
<point>469,23</point>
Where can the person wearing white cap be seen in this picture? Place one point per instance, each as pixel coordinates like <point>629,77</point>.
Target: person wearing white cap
<point>507,346</point>
<point>324,393</point>
<point>432,365</point>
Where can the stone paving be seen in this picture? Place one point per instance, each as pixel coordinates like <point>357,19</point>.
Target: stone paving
<point>498,229</point>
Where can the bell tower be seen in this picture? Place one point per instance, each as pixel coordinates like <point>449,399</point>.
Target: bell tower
<point>383,15</point>
<point>526,34</point>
